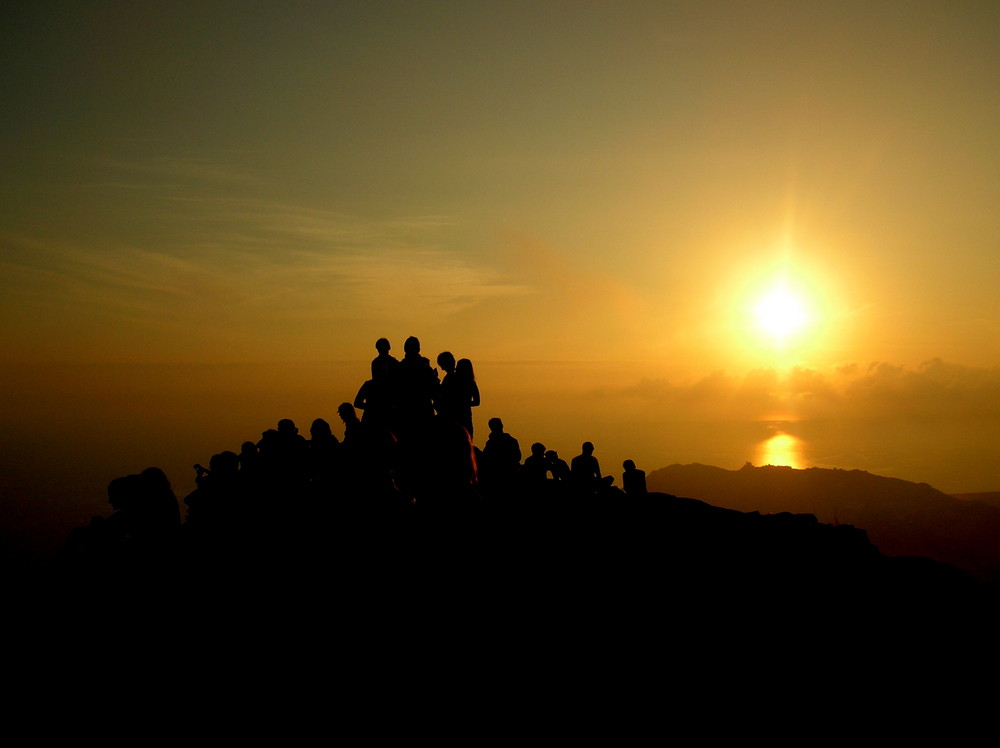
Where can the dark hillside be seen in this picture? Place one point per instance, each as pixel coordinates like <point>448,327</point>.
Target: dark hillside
<point>901,518</point>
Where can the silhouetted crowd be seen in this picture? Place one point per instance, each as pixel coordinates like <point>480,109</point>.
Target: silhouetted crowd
<point>411,450</point>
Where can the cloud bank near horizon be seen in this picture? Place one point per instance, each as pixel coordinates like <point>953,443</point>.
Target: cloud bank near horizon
<point>935,389</point>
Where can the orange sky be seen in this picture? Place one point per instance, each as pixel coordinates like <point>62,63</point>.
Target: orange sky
<point>560,181</point>
<point>213,184</point>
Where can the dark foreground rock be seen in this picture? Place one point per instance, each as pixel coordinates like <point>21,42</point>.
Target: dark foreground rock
<point>530,604</point>
<point>650,559</point>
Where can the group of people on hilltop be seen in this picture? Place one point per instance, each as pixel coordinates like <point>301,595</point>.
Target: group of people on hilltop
<point>412,446</point>
<point>404,395</point>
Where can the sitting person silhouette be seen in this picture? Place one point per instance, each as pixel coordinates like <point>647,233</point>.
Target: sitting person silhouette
<point>324,454</point>
<point>217,500</point>
<point>352,426</point>
<point>557,466</point>
<point>586,471</point>
<point>501,456</point>
<point>633,479</point>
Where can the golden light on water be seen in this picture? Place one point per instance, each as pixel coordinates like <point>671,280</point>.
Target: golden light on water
<point>781,449</point>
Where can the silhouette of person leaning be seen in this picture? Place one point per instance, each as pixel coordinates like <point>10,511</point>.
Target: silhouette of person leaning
<point>458,393</point>
<point>557,466</point>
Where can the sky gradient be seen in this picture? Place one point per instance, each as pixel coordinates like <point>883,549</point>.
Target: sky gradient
<point>587,199</point>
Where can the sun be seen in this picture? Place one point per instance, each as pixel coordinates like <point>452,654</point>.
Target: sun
<point>781,313</point>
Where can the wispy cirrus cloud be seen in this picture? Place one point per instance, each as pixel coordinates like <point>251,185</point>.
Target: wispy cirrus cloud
<point>207,260</point>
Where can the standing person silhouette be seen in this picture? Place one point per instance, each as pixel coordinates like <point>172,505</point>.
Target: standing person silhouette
<point>383,360</point>
<point>501,460</point>
<point>466,393</point>
<point>376,396</point>
<point>446,402</point>
<point>416,387</point>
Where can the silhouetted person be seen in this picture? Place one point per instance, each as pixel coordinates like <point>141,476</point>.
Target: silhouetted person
<point>292,452</point>
<point>367,456</point>
<point>466,393</point>
<point>324,451</point>
<point>633,479</point>
<point>375,397</point>
<point>440,470</point>
<point>586,471</point>
<point>217,503</point>
<point>145,507</point>
<point>557,466</point>
<point>501,460</point>
<point>446,360</point>
<point>249,459</point>
<point>383,361</point>
<point>446,402</point>
<point>161,505</point>
<point>416,386</point>
<point>352,426</point>
<point>140,535</point>
<point>536,466</point>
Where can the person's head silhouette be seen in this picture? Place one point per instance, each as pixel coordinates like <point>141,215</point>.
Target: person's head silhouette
<point>446,361</point>
<point>464,368</point>
<point>320,429</point>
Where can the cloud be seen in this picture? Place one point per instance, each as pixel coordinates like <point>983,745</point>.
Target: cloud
<point>935,389</point>
<point>179,171</point>
<point>229,267</point>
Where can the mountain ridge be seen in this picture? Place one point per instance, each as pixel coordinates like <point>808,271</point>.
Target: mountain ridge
<point>902,518</point>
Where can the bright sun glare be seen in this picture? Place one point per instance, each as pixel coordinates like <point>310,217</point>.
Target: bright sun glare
<point>780,313</point>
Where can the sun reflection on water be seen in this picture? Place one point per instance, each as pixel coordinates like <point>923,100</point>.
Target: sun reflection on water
<point>781,449</point>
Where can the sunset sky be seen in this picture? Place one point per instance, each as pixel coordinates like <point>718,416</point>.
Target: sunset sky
<point>614,188</point>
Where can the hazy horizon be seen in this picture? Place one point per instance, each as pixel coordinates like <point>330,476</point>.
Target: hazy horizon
<point>62,445</point>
